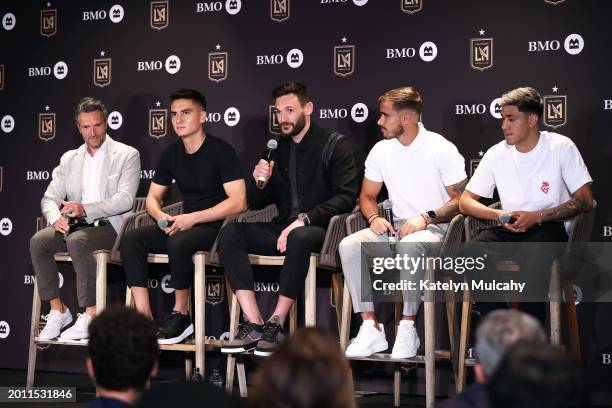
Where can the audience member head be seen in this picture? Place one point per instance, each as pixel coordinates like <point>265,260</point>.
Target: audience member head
<point>308,370</point>
<point>537,376</point>
<point>122,351</point>
<point>498,331</point>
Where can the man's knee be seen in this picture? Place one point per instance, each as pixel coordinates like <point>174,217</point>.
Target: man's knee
<point>41,240</point>
<point>130,240</point>
<point>348,245</point>
<point>228,235</point>
<point>301,238</point>
<point>77,241</point>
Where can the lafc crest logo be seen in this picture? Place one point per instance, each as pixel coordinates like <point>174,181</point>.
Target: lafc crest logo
<point>273,125</point>
<point>214,289</point>
<point>411,6</point>
<point>555,110</point>
<point>279,10</point>
<point>1,77</point>
<point>554,2</point>
<point>158,119</point>
<point>217,66</point>
<point>102,74</point>
<point>481,53</point>
<point>48,22</point>
<point>160,13</point>
<point>473,166</point>
<point>46,126</point>
<point>344,60</point>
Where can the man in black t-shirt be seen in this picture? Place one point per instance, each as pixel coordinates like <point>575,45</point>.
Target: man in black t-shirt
<point>208,174</point>
<point>311,179</point>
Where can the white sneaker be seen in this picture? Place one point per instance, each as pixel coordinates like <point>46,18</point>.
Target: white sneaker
<point>79,330</point>
<point>56,321</point>
<point>369,340</point>
<point>407,341</point>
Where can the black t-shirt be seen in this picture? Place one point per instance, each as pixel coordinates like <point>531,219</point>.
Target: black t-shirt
<point>200,176</point>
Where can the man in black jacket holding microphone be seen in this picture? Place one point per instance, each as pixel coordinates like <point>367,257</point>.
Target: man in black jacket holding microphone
<point>311,178</point>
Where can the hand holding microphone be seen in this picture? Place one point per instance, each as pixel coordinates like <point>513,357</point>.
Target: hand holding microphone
<point>388,212</point>
<point>263,170</point>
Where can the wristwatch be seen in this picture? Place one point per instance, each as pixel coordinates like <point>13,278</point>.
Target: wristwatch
<point>304,218</point>
<point>432,215</point>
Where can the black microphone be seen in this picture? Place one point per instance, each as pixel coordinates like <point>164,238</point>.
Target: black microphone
<point>506,218</point>
<point>164,223</point>
<point>270,148</point>
<point>387,210</point>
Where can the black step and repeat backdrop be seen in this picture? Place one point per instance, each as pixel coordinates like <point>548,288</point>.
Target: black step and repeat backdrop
<point>461,55</point>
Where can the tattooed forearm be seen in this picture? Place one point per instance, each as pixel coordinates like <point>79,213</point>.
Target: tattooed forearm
<point>451,208</point>
<point>567,210</point>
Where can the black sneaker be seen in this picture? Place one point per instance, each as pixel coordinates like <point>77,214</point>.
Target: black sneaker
<point>246,339</point>
<point>272,336</point>
<point>176,328</point>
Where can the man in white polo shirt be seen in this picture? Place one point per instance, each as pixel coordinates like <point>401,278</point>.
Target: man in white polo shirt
<point>425,176</point>
<point>540,177</point>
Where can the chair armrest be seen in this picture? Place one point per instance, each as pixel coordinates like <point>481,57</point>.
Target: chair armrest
<point>213,257</point>
<point>263,215</point>
<point>336,231</point>
<point>474,225</point>
<point>128,225</point>
<point>41,223</point>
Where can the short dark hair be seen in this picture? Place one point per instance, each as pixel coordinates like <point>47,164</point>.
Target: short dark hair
<point>190,94</point>
<point>123,348</point>
<point>89,104</point>
<point>295,88</point>
<point>307,370</point>
<point>538,376</point>
<point>526,99</point>
<point>403,98</point>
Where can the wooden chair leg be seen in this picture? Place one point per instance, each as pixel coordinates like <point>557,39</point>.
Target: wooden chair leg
<point>102,258</point>
<point>345,323</point>
<point>555,304</point>
<point>129,299</point>
<point>33,333</point>
<point>242,384</point>
<point>466,319</point>
<point>336,282</point>
<point>310,293</point>
<point>199,303</point>
<point>234,320</point>
<point>430,343</point>
<point>293,318</point>
<point>453,333</point>
<point>397,384</point>
<point>572,319</point>
<point>189,367</point>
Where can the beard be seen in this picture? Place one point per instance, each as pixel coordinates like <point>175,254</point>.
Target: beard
<point>296,127</point>
<point>393,133</point>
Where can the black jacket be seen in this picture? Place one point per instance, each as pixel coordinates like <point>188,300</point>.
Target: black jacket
<point>322,192</point>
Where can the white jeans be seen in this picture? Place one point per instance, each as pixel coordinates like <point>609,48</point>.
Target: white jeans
<point>352,255</point>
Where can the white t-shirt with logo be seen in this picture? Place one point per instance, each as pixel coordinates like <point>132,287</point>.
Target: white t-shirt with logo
<point>544,177</point>
<point>416,175</point>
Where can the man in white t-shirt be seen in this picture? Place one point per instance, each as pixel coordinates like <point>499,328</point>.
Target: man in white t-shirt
<point>425,176</point>
<point>540,177</point>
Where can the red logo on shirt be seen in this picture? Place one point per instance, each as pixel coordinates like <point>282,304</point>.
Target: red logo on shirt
<point>545,187</point>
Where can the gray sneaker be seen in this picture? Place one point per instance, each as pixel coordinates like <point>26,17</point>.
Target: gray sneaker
<point>246,339</point>
<point>272,336</point>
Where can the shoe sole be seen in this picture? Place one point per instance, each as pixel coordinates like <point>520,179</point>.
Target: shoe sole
<point>262,353</point>
<point>236,350</point>
<point>174,340</point>
<point>377,348</point>
<point>410,355</point>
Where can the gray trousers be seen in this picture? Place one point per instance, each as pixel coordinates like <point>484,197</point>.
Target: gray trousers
<point>352,256</point>
<point>80,245</point>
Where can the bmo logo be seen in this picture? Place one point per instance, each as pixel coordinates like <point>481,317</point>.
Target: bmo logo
<point>115,14</point>
<point>334,113</point>
<point>172,65</point>
<point>213,117</point>
<point>358,113</point>
<point>294,58</point>
<point>428,51</point>
<point>59,70</point>
<point>232,7</point>
<point>495,108</point>
<point>147,174</point>
<point>473,109</point>
<point>33,175</point>
<point>266,286</point>
<point>573,45</point>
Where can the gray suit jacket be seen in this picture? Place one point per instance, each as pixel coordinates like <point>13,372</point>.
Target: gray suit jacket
<point>118,184</point>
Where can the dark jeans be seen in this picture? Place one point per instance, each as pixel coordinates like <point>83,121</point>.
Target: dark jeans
<point>180,248</point>
<point>237,240</point>
<point>534,263</point>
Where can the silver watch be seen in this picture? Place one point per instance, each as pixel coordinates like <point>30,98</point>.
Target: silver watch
<point>304,218</point>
